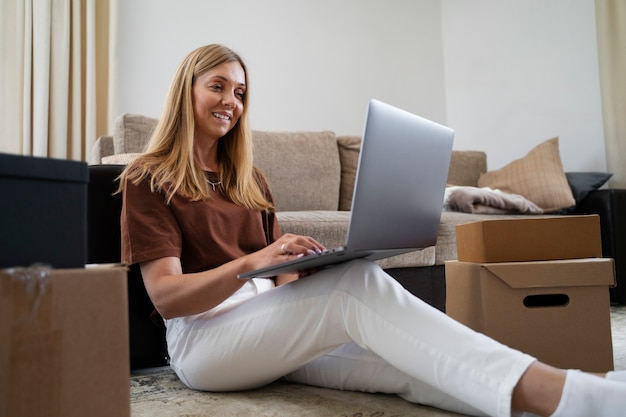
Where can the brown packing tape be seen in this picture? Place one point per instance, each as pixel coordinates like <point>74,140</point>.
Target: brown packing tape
<point>33,284</point>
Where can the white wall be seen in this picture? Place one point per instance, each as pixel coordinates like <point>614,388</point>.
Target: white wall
<point>516,72</point>
<point>521,72</point>
<point>313,65</point>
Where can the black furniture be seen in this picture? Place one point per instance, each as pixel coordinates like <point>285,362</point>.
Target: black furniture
<point>147,336</point>
<point>610,205</point>
<point>42,213</point>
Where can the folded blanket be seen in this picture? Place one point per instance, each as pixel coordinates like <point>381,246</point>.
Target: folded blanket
<point>487,201</point>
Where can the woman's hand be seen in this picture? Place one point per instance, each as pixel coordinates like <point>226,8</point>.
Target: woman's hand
<point>291,244</point>
<point>285,248</point>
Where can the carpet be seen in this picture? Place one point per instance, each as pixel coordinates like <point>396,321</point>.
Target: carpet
<point>158,393</point>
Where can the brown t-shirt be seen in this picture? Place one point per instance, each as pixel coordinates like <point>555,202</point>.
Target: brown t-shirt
<point>202,234</point>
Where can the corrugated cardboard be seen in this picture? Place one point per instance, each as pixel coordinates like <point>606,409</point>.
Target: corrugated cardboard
<point>557,311</point>
<point>529,239</point>
<point>64,345</point>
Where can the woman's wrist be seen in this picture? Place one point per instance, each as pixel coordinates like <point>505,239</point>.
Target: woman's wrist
<point>283,279</point>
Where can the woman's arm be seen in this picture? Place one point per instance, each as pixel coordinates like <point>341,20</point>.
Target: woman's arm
<point>175,294</point>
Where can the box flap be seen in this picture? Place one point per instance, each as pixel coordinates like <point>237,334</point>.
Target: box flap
<point>561,273</point>
<point>529,238</point>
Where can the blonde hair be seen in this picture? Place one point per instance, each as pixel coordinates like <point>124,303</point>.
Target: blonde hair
<point>169,162</point>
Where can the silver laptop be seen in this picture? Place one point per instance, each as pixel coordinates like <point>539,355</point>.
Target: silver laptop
<point>398,193</point>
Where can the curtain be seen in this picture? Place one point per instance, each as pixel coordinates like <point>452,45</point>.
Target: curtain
<point>57,86</point>
<point>611,28</point>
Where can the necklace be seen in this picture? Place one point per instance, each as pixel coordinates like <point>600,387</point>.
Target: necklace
<point>214,184</point>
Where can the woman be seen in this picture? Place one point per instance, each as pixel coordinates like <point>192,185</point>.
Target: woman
<point>196,213</point>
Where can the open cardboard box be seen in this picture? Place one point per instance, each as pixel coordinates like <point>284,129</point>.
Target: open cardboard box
<point>64,345</point>
<point>557,311</point>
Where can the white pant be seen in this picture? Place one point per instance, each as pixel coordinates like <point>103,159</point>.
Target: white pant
<point>349,327</point>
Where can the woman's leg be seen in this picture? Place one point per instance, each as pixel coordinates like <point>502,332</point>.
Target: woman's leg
<point>353,368</point>
<point>281,330</point>
<point>548,391</point>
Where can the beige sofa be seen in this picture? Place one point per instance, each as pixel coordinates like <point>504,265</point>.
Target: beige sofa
<point>311,175</point>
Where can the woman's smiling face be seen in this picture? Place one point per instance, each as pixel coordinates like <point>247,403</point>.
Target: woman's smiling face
<point>218,100</point>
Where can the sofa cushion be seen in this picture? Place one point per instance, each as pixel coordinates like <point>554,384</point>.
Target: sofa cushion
<point>326,226</point>
<point>424,257</point>
<point>302,168</point>
<point>120,158</point>
<point>132,133</point>
<point>330,228</point>
<point>538,176</point>
<point>349,148</point>
<point>466,167</point>
<point>446,239</point>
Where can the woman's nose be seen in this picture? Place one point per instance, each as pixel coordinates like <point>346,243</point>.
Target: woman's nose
<point>229,98</point>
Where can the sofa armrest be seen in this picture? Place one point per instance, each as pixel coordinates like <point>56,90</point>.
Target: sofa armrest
<point>101,148</point>
<point>132,132</point>
<point>610,205</point>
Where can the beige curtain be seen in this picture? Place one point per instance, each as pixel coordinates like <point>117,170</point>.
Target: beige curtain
<point>611,28</point>
<point>57,83</point>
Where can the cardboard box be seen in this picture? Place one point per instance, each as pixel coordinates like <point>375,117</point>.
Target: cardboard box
<point>529,239</point>
<point>43,215</point>
<point>557,311</point>
<point>64,345</point>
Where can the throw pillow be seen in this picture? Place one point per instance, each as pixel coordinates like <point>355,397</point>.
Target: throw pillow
<point>582,183</point>
<point>538,176</point>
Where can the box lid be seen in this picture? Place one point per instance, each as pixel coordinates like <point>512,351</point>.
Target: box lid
<point>529,238</point>
<point>560,273</point>
<point>47,169</point>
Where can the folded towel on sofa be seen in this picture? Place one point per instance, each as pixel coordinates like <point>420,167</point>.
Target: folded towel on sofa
<point>487,201</point>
